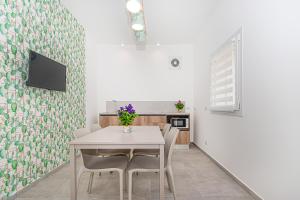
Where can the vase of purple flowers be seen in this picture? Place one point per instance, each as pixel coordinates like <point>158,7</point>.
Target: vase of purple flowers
<point>126,117</point>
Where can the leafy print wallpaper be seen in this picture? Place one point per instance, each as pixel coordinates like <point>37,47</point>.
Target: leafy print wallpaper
<point>36,124</point>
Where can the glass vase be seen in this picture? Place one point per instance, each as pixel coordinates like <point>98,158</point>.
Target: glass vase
<point>127,129</point>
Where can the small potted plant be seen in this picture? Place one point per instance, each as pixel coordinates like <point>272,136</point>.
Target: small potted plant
<point>179,106</point>
<point>126,117</point>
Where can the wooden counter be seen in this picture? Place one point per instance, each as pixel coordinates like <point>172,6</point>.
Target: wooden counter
<point>111,119</point>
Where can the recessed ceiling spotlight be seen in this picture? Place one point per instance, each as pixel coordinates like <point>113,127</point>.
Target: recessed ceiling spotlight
<point>122,45</point>
<point>137,27</point>
<point>158,44</point>
<point>134,6</point>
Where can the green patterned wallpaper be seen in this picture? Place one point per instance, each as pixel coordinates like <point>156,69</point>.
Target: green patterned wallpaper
<point>36,124</point>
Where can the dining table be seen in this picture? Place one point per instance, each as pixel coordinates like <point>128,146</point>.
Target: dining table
<point>113,137</point>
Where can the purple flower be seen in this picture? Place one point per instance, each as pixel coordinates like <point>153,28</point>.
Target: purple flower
<point>128,109</point>
<point>131,111</point>
<point>127,115</point>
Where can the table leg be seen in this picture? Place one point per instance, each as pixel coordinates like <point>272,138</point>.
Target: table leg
<point>73,173</point>
<point>161,173</point>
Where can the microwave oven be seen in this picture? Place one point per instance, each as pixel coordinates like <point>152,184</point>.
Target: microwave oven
<point>180,122</point>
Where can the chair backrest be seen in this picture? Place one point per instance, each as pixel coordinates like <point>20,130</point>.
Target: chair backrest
<point>81,132</point>
<point>88,159</point>
<point>95,127</point>
<point>166,130</point>
<point>169,145</point>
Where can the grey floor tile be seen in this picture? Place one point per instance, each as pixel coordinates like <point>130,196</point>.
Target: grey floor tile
<point>196,178</point>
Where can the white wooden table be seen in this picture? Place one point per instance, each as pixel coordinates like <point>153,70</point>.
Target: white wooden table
<point>112,137</point>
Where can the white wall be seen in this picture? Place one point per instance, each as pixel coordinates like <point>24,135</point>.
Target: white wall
<point>91,79</point>
<point>262,147</point>
<point>150,77</point>
<point>144,75</point>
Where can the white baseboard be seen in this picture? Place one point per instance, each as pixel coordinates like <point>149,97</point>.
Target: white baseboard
<point>235,178</point>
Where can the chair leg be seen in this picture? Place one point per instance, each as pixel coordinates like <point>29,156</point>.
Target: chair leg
<point>129,185</point>
<point>121,176</point>
<point>170,172</point>
<point>169,181</point>
<point>90,183</point>
<point>125,180</point>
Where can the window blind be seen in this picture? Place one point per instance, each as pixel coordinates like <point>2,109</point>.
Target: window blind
<point>224,67</point>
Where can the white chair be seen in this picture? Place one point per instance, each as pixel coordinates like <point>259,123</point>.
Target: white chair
<point>151,164</point>
<point>153,152</point>
<point>95,127</point>
<point>93,163</point>
<point>166,129</point>
<point>80,133</point>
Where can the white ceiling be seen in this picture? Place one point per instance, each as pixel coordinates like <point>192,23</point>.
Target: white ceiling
<point>168,21</point>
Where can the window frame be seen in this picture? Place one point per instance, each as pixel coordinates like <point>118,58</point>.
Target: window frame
<point>237,108</point>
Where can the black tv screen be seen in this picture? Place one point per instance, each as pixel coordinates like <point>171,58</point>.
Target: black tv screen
<point>46,73</point>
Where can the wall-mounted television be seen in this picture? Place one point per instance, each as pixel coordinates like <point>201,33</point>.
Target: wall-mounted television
<point>46,73</point>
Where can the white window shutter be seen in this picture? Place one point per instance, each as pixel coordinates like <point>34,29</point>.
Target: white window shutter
<point>224,76</point>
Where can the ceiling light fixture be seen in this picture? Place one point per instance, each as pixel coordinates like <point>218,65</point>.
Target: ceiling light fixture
<point>134,6</point>
<point>137,27</point>
<point>122,45</point>
<point>158,44</point>
<point>138,22</point>
<point>140,36</point>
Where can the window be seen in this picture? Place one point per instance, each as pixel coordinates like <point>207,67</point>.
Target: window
<point>226,69</point>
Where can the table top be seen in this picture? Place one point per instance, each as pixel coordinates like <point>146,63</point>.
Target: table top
<point>113,135</point>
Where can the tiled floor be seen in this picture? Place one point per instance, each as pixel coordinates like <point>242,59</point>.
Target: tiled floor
<point>196,178</point>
